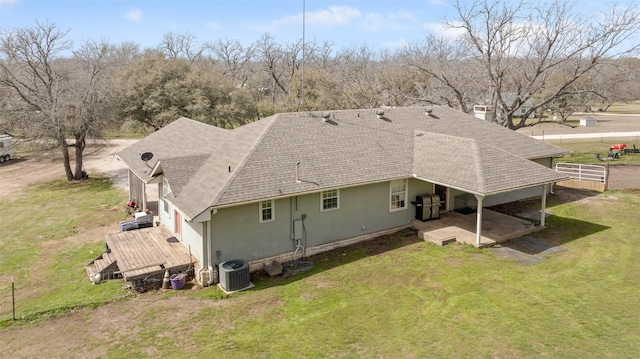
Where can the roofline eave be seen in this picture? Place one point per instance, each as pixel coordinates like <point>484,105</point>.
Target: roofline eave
<point>302,193</point>
<point>492,193</point>
<point>146,181</point>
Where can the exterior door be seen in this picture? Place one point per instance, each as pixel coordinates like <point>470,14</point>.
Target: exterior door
<point>177,224</point>
<point>442,192</point>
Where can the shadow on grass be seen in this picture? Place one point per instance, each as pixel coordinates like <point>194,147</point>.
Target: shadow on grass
<point>341,256</point>
<point>568,195</point>
<point>570,229</point>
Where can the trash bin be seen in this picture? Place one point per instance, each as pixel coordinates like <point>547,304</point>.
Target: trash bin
<point>178,280</point>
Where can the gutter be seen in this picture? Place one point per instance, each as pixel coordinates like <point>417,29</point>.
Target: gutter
<point>491,193</point>
<point>294,194</point>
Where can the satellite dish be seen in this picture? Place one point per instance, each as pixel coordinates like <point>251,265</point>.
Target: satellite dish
<point>146,156</point>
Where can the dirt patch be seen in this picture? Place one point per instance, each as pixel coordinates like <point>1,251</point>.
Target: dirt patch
<point>89,333</point>
<point>19,174</point>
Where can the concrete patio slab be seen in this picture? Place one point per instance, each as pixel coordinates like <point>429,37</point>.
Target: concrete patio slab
<point>537,246</point>
<point>517,256</point>
<point>496,228</point>
<point>533,214</point>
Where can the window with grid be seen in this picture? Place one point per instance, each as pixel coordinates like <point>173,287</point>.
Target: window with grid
<point>267,211</point>
<point>330,200</point>
<point>398,199</point>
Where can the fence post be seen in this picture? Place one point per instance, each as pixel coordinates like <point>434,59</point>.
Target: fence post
<point>606,176</point>
<point>13,300</point>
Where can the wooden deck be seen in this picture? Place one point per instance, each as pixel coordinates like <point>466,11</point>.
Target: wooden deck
<point>143,255</point>
<point>454,226</point>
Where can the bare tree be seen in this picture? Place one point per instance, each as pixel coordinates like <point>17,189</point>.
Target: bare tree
<point>445,71</point>
<point>235,60</point>
<point>184,45</point>
<point>357,77</point>
<point>279,63</point>
<point>513,53</point>
<point>54,99</point>
<point>616,82</point>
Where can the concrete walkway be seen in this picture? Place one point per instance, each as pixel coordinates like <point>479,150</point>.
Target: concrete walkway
<point>527,250</point>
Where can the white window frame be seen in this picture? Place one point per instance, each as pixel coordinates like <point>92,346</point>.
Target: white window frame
<point>322,199</point>
<point>392,194</point>
<point>166,189</point>
<point>261,210</point>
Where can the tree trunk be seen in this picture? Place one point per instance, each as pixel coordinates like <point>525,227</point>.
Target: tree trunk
<point>80,146</point>
<point>64,147</point>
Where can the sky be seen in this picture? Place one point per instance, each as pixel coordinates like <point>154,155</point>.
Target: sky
<point>379,23</point>
<point>345,23</point>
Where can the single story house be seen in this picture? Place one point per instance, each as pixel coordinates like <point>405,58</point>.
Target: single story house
<point>305,181</point>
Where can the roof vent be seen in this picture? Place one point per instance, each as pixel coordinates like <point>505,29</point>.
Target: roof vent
<point>325,116</point>
<point>380,114</point>
<point>428,111</point>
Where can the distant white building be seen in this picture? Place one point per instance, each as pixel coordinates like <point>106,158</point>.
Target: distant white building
<point>485,111</point>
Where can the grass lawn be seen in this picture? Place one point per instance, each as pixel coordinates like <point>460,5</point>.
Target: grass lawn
<point>583,151</point>
<point>397,297</point>
<point>631,107</point>
<point>417,300</point>
<point>39,253</point>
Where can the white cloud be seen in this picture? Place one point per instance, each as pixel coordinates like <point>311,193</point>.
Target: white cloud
<point>336,15</point>
<point>440,29</point>
<point>213,25</point>
<point>9,2</point>
<point>372,22</point>
<point>401,15</point>
<point>133,15</point>
<point>438,2</point>
<point>333,16</point>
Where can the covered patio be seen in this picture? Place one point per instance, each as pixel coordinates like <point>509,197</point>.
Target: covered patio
<point>483,171</point>
<point>457,227</point>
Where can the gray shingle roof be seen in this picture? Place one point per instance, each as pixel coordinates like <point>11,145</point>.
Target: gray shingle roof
<point>216,167</point>
<point>474,166</point>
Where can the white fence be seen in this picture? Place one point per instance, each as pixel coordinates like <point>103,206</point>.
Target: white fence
<point>583,176</point>
<point>596,173</point>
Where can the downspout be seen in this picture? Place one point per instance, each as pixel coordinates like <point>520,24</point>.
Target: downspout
<point>209,245</point>
<point>205,252</point>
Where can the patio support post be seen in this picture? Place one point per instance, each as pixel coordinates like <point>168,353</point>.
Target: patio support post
<point>544,205</point>
<point>478,219</point>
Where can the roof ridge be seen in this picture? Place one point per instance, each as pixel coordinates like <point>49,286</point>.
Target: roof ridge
<point>252,149</point>
<point>477,162</point>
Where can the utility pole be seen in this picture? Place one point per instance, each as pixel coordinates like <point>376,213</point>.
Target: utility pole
<point>303,55</point>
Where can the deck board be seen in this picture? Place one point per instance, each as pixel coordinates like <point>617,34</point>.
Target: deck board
<point>141,252</point>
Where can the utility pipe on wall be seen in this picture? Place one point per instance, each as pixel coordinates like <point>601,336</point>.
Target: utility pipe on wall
<point>209,246</point>
<point>205,253</point>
